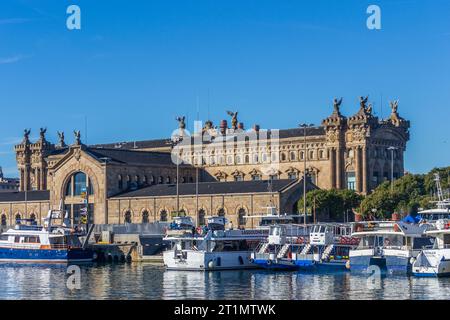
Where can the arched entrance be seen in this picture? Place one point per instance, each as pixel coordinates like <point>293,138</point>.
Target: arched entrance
<point>79,195</point>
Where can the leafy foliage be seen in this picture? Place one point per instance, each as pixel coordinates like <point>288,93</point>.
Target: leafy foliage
<point>411,192</point>
<point>332,203</point>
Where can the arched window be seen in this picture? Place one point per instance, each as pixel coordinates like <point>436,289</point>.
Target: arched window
<point>247,159</point>
<point>33,217</point>
<point>168,180</point>
<point>311,154</point>
<point>292,156</point>
<point>321,154</point>
<point>264,158</point>
<point>255,158</point>
<point>238,159</point>
<point>201,217</point>
<point>274,157</point>
<point>120,182</point>
<point>221,212</point>
<point>127,216</point>
<point>4,220</point>
<point>182,213</point>
<point>77,184</point>
<point>283,157</point>
<point>152,179</point>
<point>128,185</point>
<point>145,216</point>
<point>163,215</point>
<point>160,180</point>
<point>144,180</point>
<point>18,217</point>
<point>241,217</point>
<point>292,175</point>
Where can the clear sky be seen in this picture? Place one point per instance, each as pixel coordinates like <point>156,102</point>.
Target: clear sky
<point>135,65</point>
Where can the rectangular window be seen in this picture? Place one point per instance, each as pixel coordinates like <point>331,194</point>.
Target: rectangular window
<point>351,180</point>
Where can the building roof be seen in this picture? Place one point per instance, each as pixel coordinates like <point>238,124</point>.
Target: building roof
<point>209,188</point>
<point>17,196</point>
<point>131,156</point>
<point>160,143</point>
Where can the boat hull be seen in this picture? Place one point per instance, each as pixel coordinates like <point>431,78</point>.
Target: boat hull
<point>398,265</point>
<point>45,255</point>
<point>437,264</point>
<point>361,264</point>
<point>208,261</point>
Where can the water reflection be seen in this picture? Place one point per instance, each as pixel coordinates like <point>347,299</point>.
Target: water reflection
<point>144,281</point>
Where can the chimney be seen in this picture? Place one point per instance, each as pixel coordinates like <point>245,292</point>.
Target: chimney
<point>241,125</point>
<point>256,127</point>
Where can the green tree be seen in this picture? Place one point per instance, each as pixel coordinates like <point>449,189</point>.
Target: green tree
<point>330,203</point>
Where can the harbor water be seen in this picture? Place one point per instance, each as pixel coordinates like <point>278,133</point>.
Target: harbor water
<point>147,281</point>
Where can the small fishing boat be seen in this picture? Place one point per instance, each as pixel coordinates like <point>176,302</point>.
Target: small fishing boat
<point>435,261</point>
<point>212,247</point>
<point>30,242</point>
<point>390,245</point>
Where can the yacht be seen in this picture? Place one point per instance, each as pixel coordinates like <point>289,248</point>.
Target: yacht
<point>48,243</point>
<point>390,245</point>
<point>212,247</point>
<point>276,251</point>
<point>442,209</point>
<point>322,246</point>
<point>272,217</point>
<point>435,261</point>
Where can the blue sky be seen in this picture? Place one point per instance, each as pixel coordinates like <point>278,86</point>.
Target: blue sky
<point>135,65</point>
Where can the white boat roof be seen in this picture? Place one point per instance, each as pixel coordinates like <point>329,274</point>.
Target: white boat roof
<point>387,228</point>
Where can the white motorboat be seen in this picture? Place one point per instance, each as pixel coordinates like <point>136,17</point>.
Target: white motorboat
<point>390,245</point>
<point>435,261</point>
<point>211,248</point>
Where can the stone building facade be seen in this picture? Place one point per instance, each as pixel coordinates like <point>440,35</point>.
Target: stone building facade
<point>356,152</point>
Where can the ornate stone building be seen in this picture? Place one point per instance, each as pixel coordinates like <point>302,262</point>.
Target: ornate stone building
<point>134,181</point>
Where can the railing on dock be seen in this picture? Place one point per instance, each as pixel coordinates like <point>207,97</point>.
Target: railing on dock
<point>154,228</point>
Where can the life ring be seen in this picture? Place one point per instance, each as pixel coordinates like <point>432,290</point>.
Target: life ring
<point>269,262</point>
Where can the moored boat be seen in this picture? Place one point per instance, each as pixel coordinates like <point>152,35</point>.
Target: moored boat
<point>29,242</point>
<point>389,245</point>
<point>435,261</point>
<point>211,248</point>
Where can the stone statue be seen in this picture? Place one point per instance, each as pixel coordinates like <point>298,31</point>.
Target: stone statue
<point>369,109</point>
<point>26,135</point>
<point>234,120</point>
<point>394,106</point>
<point>181,123</point>
<point>336,105</point>
<point>362,102</point>
<point>77,134</point>
<point>395,118</point>
<point>42,132</point>
<point>61,139</point>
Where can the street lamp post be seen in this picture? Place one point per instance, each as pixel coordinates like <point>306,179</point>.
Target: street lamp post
<point>392,167</point>
<point>174,141</point>
<point>304,126</point>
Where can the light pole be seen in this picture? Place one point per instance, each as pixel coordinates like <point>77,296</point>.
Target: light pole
<point>392,167</point>
<point>174,141</point>
<point>304,126</point>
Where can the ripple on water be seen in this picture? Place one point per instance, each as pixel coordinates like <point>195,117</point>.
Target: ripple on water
<point>145,281</point>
